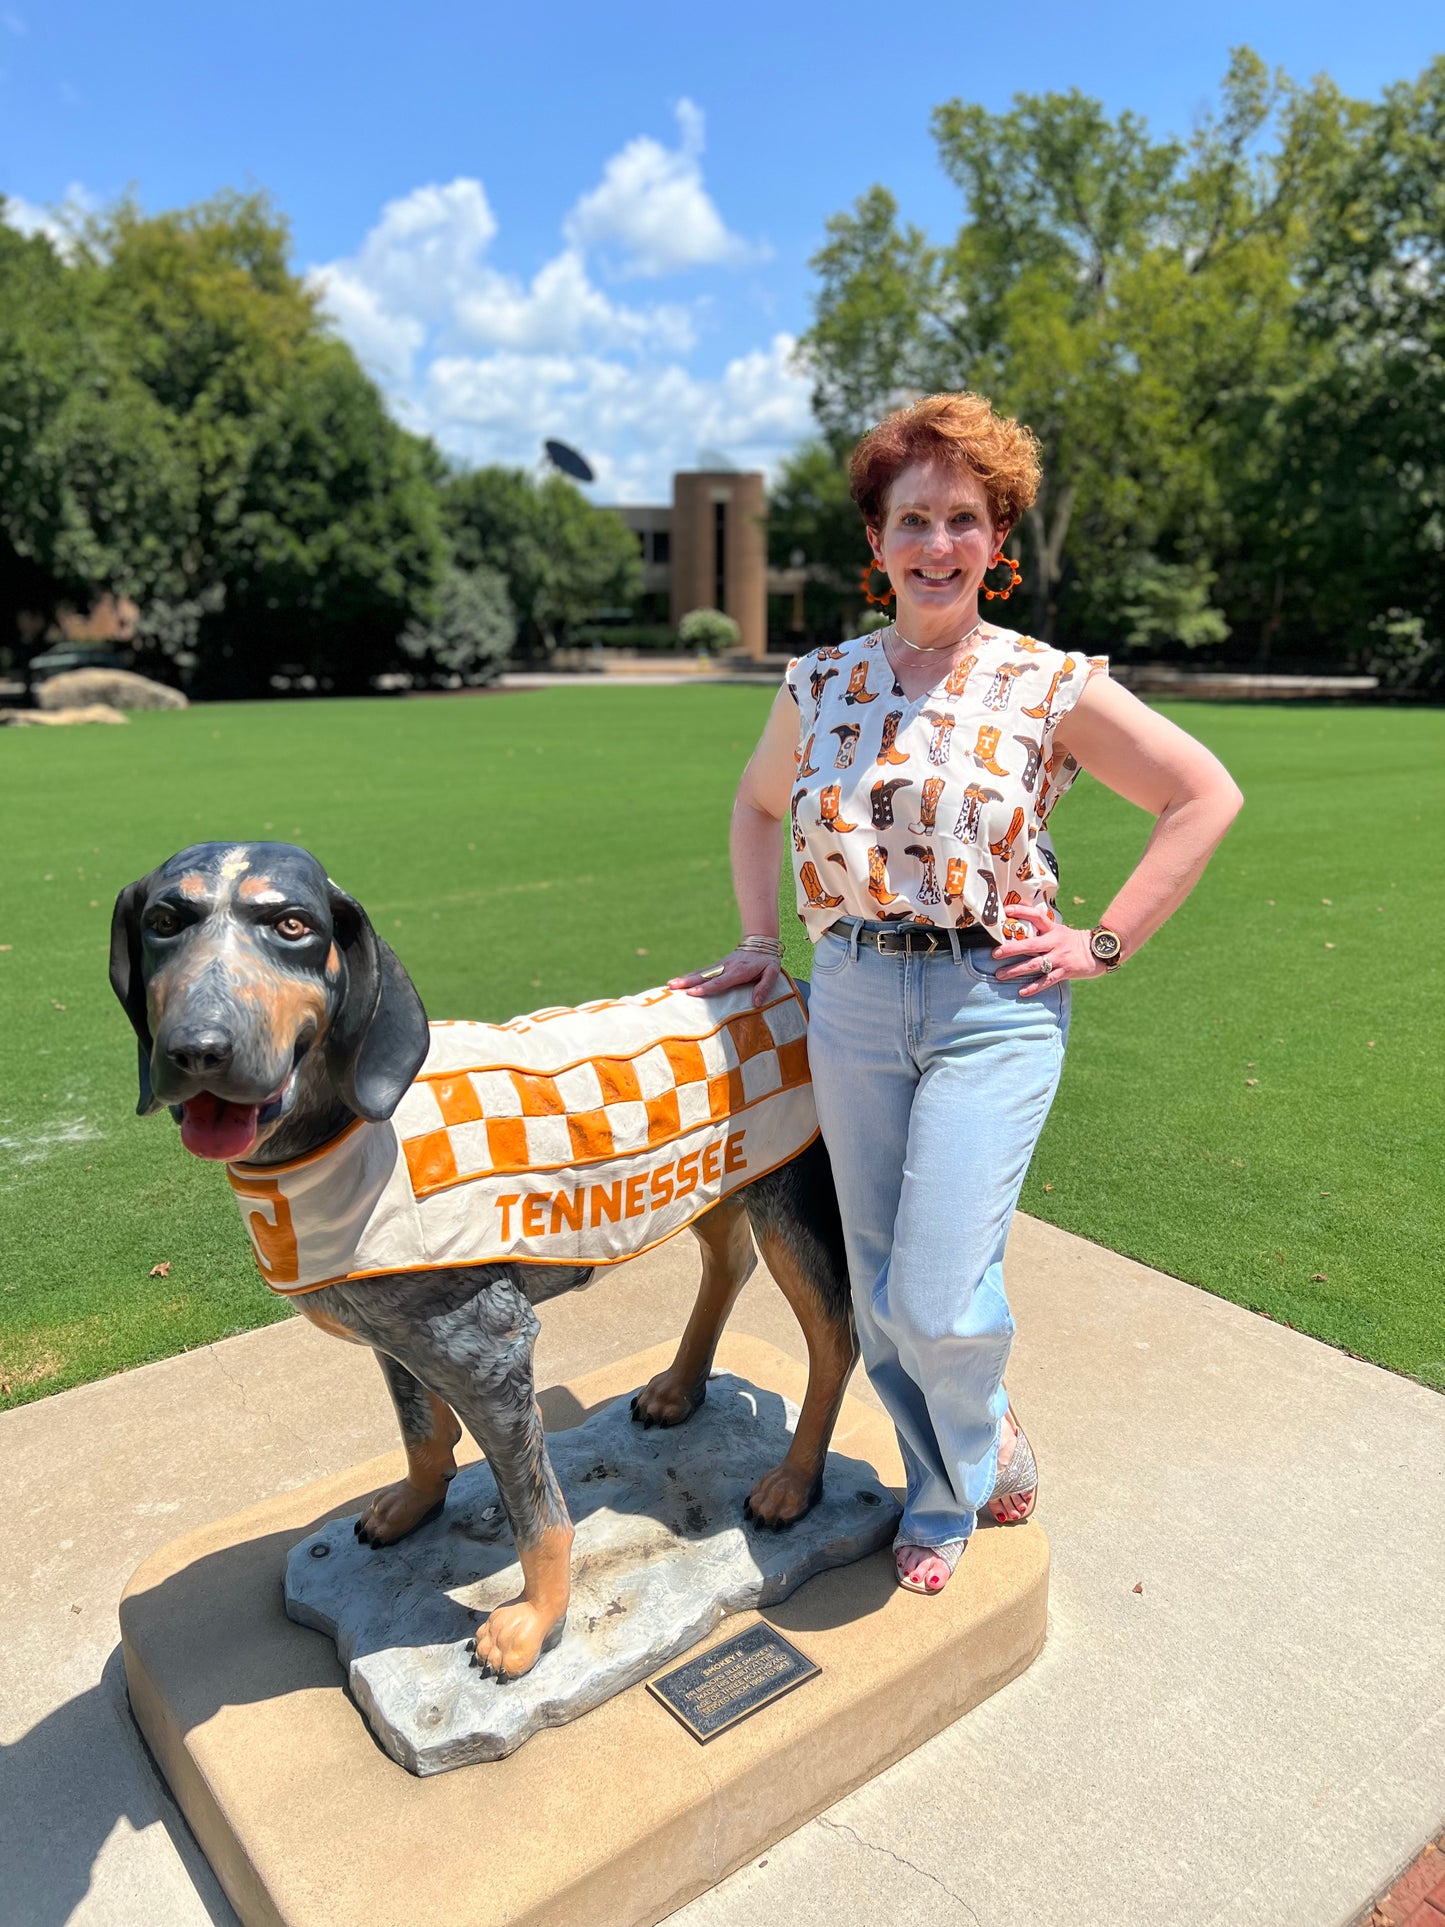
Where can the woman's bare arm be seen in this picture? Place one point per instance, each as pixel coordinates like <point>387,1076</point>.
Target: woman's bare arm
<point>1151,762</point>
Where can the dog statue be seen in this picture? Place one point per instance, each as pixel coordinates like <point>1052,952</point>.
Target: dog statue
<point>277,1026</point>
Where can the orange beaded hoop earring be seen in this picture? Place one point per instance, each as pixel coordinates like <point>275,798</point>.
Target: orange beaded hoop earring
<point>865,583</point>
<point>1002,595</point>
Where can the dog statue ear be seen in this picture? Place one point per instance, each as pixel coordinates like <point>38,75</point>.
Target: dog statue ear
<point>127,980</point>
<point>378,1039</point>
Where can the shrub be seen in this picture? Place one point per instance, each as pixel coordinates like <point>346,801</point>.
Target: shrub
<point>473,629</point>
<point>708,630</point>
<point>623,635</point>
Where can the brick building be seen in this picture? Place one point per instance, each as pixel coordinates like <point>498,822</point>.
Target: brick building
<point>709,550</point>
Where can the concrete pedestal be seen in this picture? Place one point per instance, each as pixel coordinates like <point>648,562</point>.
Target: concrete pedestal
<point>612,1821</point>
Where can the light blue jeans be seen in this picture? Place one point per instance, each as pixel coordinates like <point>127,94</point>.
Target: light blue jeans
<point>933,1080</point>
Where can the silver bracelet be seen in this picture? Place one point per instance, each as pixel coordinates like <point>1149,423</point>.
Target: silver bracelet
<point>767,946</point>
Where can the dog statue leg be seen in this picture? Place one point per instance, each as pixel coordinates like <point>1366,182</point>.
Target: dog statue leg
<point>481,1360</point>
<point>430,1433</point>
<point>783,1495</point>
<point>728,1261</point>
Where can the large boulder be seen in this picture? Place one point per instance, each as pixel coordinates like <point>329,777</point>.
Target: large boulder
<point>117,688</point>
<point>89,713</point>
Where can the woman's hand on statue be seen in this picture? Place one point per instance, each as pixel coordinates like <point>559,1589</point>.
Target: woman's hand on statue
<point>1065,951</point>
<point>738,967</point>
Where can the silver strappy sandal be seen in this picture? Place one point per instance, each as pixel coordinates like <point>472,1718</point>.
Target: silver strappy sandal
<point>949,1553</point>
<point>1020,1475</point>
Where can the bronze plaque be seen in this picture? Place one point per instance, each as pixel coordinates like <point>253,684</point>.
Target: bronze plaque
<point>732,1680</point>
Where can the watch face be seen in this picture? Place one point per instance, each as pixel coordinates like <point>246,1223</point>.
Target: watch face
<point>1105,945</point>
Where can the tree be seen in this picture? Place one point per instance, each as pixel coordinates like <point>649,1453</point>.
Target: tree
<point>563,559</point>
<point>93,493</point>
<point>1133,300</point>
<point>1348,520</point>
<point>473,630</point>
<point>178,424</point>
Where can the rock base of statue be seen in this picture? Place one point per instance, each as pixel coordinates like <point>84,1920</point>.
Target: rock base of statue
<point>662,1554</point>
<point>614,1819</point>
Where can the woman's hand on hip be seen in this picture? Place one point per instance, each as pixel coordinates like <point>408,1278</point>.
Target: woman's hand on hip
<point>738,967</point>
<point>1063,950</point>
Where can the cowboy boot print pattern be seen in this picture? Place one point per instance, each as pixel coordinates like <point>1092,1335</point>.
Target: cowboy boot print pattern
<point>985,750</point>
<point>1029,775</point>
<point>1004,848</point>
<point>858,690</point>
<point>966,829</point>
<point>800,842</point>
<point>880,799</point>
<point>977,855</point>
<point>1001,688</point>
<point>958,676</point>
<point>928,808</point>
<point>847,734</point>
<point>1044,711</point>
<point>941,743</point>
<point>813,889</point>
<point>878,885</point>
<point>828,817</point>
<point>928,890</point>
<point>888,750</point>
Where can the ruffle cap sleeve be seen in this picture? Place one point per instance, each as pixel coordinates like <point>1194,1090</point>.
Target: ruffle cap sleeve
<point>1070,673</point>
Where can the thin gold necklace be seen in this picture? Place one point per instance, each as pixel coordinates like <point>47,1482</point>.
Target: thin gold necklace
<point>923,649</point>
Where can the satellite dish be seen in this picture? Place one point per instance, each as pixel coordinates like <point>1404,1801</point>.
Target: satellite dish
<point>569,461</point>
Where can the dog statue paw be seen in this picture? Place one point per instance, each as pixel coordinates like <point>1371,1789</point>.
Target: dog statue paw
<point>782,1496</point>
<point>514,1637</point>
<point>668,1399</point>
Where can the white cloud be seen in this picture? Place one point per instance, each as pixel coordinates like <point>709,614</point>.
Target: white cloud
<point>57,222</point>
<point>489,363</point>
<point>563,310</point>
<point>636,424</point>
<point>422,268</point>
<point>652,204</point>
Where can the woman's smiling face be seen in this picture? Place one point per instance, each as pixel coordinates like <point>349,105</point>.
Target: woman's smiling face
<point>937,540</point>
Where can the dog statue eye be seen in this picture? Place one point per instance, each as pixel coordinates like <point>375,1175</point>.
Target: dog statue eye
<point>163,922</point>
<point>292,928</point>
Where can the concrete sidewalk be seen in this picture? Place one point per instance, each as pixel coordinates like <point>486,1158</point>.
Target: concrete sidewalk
<point>1254,1739</point>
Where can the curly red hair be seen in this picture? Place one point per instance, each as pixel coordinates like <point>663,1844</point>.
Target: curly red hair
<point>961,431</point>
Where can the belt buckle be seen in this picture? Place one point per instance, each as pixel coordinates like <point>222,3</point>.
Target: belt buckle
<point>892,943</point>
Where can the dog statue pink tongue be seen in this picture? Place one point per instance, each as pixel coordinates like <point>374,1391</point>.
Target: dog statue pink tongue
<point>212,1128</point>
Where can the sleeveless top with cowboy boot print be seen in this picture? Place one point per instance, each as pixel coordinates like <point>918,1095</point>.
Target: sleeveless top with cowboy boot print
<point>931,811</point>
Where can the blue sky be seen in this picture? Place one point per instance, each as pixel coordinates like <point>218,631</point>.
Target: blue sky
<point>593,221</point>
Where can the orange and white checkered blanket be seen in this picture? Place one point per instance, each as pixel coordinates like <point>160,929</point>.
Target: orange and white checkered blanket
<point>577,1137</point>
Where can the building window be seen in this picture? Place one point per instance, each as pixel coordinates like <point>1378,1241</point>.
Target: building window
<point>661,545</point>
<point>719,554</point>
<point>641,535</point>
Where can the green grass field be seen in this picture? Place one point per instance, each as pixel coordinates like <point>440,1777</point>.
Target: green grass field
<point>1254,1104</point>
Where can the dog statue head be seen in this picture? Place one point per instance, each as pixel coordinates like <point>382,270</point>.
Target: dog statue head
<point>234,962</point>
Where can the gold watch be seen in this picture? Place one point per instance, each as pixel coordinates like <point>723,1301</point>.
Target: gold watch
<point>1107,948</point>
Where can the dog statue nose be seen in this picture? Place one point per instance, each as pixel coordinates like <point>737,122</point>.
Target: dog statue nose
<point>200,1050</point>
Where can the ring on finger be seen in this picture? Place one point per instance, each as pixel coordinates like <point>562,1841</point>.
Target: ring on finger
<point>1044,967</point>
<point>706,976</point>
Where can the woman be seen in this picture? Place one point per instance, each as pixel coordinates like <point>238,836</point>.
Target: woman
<point>919,766</point>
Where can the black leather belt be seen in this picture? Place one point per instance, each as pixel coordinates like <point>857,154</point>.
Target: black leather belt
<point>907,939</point>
